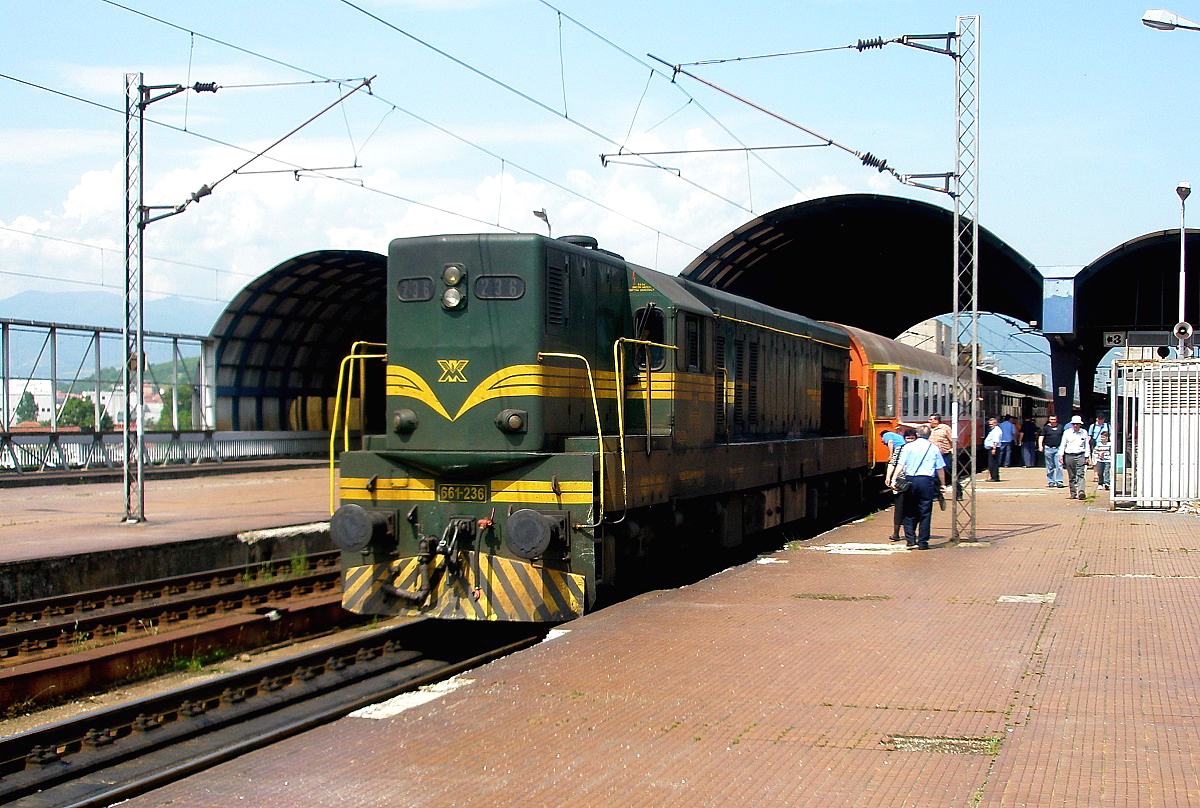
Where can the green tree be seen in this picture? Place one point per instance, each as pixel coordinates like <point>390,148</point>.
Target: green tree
<point>80,412</point>
<point>26,408</point>
<point>185,408</point>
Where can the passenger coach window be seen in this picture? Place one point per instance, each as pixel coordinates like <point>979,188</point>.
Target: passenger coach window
<point>904,408</point>
<point>885,394</point>
<point>925,399</point>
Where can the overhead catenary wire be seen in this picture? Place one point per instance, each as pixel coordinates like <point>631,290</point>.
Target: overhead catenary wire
<point>322,79</point>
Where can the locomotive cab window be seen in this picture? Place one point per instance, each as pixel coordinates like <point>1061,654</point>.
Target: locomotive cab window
<point>692,356</point>
<point>649,324</point>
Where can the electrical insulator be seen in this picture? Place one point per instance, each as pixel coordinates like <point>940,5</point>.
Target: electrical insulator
<point>867,44</point>
<point>871,160</point>
<point>205,87</point>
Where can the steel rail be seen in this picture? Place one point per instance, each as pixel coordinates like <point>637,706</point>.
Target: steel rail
<point>70,634</point>
<point>97,600</point>
<point>127,750</point>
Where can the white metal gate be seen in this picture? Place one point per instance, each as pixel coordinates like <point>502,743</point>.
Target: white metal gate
<point>1156,433</point>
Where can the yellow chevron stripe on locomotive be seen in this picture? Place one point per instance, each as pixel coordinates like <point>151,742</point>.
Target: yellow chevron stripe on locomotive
<point>485,587</point>
<point>545,381</point>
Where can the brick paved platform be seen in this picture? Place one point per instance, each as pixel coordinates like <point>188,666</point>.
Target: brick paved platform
<point>45,521</point>
<point>1055,665</point>
<point>70,537</point>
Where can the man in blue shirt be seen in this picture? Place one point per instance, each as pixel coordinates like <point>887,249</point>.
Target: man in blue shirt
<point>1008,438</point>
<point>926,470</point>
<point>1100,427</point>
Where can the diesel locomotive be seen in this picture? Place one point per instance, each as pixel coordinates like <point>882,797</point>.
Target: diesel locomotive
<point>562,420</point>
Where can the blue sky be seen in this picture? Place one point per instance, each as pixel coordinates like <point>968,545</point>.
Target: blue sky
<point>482,111</point>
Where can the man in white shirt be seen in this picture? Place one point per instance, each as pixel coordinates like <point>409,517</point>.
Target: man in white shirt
<point>992,445</point>
<point>1074,449</point>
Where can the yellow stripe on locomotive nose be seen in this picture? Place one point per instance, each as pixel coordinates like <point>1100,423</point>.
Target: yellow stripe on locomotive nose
<point>484,588</point>
<point>573,492</point>
<point>388,489</point>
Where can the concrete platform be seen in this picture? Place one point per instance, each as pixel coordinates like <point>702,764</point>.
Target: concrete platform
<point>1057,664</point>
<point>70,536</point>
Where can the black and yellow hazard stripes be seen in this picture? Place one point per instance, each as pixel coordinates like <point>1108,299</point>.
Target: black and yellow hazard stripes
<point>482,587</point>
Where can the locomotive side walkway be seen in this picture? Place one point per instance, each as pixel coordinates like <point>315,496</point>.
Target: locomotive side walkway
<point>1057,664</point>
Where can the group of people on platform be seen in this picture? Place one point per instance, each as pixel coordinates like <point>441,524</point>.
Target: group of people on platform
<point>921,456</point>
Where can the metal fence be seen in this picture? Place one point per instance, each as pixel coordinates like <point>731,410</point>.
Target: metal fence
<point>61,377</point>
<point>62,402</point>
<point>52,451</point>
<point>1156,433</point>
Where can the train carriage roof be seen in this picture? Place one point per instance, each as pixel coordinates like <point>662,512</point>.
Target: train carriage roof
<point>883,351</point>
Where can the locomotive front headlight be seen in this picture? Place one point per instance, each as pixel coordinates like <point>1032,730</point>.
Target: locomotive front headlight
<point>452,274</point>
<point>452,298</point>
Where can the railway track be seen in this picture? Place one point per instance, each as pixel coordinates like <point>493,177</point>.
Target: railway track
<point>61,647</point>
<point>114,754</point>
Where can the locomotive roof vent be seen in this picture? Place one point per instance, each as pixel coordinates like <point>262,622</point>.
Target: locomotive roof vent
<point>589,243</point>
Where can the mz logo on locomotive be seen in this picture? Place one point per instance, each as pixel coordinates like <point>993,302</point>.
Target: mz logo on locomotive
<point>452,370</point>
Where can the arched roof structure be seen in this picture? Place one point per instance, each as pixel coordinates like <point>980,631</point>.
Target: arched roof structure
<point>280,342</point>
<point>881,263</point>
<point>877,262</point>
<point>1132,287</point>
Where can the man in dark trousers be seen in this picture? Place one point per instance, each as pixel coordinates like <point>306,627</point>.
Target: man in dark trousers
<point>922,463</point>
<point>1048,443</point>
<point>991,445</point>
<point>1029,436</point>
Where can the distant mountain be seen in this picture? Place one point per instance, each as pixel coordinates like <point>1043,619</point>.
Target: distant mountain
<point>171,314</point>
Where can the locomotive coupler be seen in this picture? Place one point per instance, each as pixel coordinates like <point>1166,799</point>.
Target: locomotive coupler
<point>459,527</point>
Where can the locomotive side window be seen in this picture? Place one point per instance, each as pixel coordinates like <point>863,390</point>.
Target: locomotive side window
<point>649,324</point>
<point>916,396</point>
<point>499,287</point>
<point>415,290</point>
<point>693,341</point>
<point>904,409</point>
<point>885,394</point>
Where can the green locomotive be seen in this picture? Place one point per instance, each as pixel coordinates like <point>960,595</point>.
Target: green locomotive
<point>561,419</point>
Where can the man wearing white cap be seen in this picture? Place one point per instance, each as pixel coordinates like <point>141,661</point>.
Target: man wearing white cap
<point>1074,450</point>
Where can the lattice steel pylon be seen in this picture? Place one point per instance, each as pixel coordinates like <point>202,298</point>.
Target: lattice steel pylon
<point>966,274</point>
<point>134,428</point>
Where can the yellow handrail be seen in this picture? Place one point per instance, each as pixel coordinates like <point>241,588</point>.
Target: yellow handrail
<point>619,368</point>
<point>337,408</point>
<point>599,429</point>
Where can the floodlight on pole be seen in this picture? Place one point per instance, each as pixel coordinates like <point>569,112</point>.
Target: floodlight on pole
<point>1162,20</point>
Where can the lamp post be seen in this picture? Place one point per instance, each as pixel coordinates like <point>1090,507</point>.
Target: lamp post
<point>1183,189</point>
<point>1162,20</point>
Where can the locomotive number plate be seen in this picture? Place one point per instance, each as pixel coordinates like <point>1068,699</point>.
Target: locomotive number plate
<point>462,493</point>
